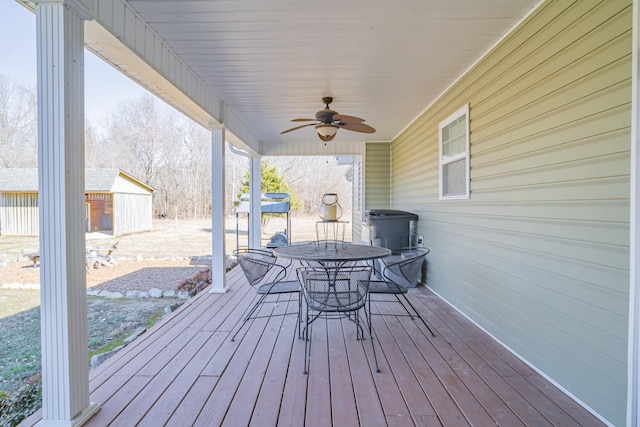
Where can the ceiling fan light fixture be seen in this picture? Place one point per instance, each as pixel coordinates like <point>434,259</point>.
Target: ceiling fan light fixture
<point>326,130</point>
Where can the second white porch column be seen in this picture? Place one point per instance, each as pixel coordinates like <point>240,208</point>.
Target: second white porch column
<point>255,203</point>
<point>218,255</point>
<point>65,370</point>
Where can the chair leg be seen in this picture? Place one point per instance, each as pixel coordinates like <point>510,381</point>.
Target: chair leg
<point>248,316</point>
<point>299,325</point>
<point>307,340</point>
<point>417,314</point>
<point>373,347</point>
<point>359,329</point>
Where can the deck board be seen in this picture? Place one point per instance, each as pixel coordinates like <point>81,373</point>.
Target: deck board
<point>318,389</point>
<point>269,400</point>
<point>369,407</point>
<point>187,371</point>
<point>343,401</point>
<point>422,360</point>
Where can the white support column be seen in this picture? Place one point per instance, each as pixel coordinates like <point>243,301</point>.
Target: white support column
<point>633,377</point>
<point>255,200</point>
<point>218,255</point>
<point>65,373</point>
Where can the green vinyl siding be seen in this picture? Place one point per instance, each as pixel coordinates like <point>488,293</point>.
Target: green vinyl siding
<point>377,176</point>
<point>539,254</point>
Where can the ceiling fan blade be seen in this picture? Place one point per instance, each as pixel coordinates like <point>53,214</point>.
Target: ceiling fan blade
<point>347,119</point>
<point>298,127</point>
<point>303,120</point>
<point>357,127</point>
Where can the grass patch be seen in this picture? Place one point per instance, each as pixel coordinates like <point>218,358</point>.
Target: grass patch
<point>154,319</point>
<point>108,347</point>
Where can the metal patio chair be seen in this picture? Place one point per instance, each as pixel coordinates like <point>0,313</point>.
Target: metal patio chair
<point>256,264</point>
<point>400,271</point>
<point>335,292</point>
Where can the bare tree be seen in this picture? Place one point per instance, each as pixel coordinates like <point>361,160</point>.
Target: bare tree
<point>189,170</point>
<point>311,177</point>
<point>163,148</point>
<point>235,168</point>
<point>135,129</point>
<point>18,124</point>
<point>166,150</point>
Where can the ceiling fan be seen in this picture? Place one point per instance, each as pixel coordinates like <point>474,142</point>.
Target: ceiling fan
<point>327,122</point>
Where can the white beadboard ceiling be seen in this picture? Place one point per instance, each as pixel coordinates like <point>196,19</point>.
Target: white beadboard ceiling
<point>273,60</point>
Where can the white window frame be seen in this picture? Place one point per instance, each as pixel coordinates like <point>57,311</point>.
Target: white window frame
<point>463,111</point>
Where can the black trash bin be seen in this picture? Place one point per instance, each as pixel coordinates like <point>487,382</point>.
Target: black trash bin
<point>390,228</point>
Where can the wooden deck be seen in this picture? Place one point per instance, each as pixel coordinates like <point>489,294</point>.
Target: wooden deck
<point>186,371</point>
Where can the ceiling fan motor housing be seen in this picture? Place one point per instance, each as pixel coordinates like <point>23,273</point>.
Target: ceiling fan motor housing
<point>326,115</point>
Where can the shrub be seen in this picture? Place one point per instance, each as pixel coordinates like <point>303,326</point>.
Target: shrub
<point>200,281</point>
<point>16,407</point>
<point>196,283</point>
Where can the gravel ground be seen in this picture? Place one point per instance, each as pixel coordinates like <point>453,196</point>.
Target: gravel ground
<point>126,275</point>
<point>161,258</point>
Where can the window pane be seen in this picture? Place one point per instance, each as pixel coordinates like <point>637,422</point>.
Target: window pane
<point>454,149</point>
<point>462,125</point>
<point>460,144</point>
<point>455,178</point>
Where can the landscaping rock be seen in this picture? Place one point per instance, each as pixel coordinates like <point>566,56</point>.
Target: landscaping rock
<point>171,308</point>
<point>155,293</point>
<point>98,359</point>
<point>134,335</point>
<point>108,294</point>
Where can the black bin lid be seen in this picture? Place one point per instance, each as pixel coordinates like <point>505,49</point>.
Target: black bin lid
<point>378,213</point>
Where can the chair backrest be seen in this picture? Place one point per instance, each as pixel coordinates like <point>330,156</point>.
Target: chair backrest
<point>255,263</point>
<point>404,266</point>
<point>335,289</point>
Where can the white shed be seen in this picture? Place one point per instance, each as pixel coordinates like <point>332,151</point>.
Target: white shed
<point>115,202</point>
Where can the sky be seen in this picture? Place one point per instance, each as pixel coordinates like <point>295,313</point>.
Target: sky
<point>105,87</point>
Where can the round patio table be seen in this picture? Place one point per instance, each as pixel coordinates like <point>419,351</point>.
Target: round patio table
<point>338,255</point>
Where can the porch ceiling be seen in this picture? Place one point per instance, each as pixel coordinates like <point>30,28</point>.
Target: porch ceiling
<point>270,62</point>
